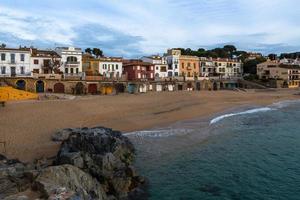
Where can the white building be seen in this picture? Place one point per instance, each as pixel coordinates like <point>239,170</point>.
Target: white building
<point>160,65</point>
<point>172,58</point>
<point>71,60</point>
<point>15,62</point>
<point>111,67</point>
<point>44,61</point>
<point>228,68</point>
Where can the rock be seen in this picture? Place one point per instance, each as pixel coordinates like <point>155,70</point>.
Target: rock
<point>12,179</point>
<point>62,135</point>
<point>105,154</point>
<point>67,181</point>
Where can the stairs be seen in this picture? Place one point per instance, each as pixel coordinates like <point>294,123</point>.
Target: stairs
<point>252,85</point>
<point>8,93</point>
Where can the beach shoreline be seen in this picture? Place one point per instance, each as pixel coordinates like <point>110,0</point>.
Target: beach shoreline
<point>26,127</point>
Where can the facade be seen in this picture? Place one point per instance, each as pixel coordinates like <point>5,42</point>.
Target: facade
<point>137,70</point>
<point>228,68</point>
<point>44,61</point>
<point>90,65</point>
<point>71,60</point>
<point>160,65</point>
<point>172,58</point>
<point>189,66</point>
<point>15,62</point>
<point>111,67</point>
<point>290,74</point>
<point>208,67</point>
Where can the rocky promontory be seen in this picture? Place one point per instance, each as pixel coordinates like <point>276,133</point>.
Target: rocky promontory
<point>92,163</point>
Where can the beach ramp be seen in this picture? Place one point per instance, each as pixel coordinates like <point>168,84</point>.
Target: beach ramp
<point>8,93</point>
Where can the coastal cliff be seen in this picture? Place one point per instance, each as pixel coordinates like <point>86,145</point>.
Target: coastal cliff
<point>92,163</point>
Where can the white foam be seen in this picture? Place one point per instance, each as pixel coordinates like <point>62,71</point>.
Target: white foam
<point>283,104</point>
<point>256,110</point>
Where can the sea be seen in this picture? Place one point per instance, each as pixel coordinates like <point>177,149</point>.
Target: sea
<point>251,153</point>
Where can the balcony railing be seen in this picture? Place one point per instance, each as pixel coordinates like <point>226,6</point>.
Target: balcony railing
<point>72,63</point>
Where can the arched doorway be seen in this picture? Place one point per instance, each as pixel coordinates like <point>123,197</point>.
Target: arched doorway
<point>120,88</point>
<point>221,85</point>
<point>198,86</point>
<point>21,84</point>
<point>59,88</point>
<point>40,86</point>
<point>92,88</point>
<point>215,86</point>
<point>79,88</point>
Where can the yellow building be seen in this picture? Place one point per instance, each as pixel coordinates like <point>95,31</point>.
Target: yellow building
<point>90,65</point>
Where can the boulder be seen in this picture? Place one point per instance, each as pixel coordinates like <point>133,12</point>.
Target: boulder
<point>67,182</point>
<point>105,154</point>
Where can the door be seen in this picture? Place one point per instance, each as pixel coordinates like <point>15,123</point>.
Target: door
<point>40,86</point>
<point>92,88</point>
<point>59,88</point>
<point>21,84</point>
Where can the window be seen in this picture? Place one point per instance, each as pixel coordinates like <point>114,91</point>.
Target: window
<point>77,70</point>
<point>3,70</point>
<point>176,66</point>
<point>176,73</point>
<point>2,56</point>
<point>182,65</point>
<point>66,70</point>
<point>35,61</point>
<point>72,70</point>
<point>22,70</point>
<point>22,57</point>
<point>220,64</point>
<point>12,58</point>
<point>117,66</point>
<point>71,59</point>
<point>189,64</point>
<point>194,65</point>
<point>104,66</point>
<point>113,67</point>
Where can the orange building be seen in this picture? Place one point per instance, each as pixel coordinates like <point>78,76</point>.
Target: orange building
<point>189,66</point>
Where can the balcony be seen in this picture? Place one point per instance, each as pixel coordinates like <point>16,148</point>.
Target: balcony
<point>74,76</point>
<point>72,63</point>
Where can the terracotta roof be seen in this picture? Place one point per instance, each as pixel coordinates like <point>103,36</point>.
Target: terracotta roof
<point>127,63</point>
<point>14,49</point>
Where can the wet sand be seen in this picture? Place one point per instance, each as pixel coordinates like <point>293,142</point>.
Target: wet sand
<point>26,127</point>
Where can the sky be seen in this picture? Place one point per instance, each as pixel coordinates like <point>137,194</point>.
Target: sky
<point>131,28</point>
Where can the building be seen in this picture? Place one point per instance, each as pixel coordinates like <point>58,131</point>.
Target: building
<point>172,58</point>
<point>208,67</point>
<point>137,70</point>
<point>71,60</point>
<point>90,65</point>
<point>15,62</point>
<point>189,66</point>
<point>160,65</point>
<point>111,67</point>
<point>274,70</point>
<point>44,61</point>
<point>228,68</point>
<point>253,56</point>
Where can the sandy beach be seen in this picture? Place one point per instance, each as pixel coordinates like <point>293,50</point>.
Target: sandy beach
<point>26,127</point>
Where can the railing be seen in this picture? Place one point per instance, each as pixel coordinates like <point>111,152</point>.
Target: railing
<point>72,63</point>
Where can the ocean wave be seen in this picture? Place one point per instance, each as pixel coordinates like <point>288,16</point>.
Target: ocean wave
<point>256,110</point>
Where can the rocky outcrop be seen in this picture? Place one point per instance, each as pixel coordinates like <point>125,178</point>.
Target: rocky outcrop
<point>92,163</point>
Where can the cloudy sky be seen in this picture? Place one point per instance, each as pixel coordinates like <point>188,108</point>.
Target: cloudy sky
<point>131,28</point>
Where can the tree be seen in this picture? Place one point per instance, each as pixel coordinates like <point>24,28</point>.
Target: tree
<point>250,66</point>
<point>97,52</point>
<point>88,50</point>
<point>272,56</point>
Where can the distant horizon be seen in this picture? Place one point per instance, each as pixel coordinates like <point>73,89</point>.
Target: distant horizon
<point>134,28</point>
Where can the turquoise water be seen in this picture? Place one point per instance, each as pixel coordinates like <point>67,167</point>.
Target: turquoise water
<point>251,155</point>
